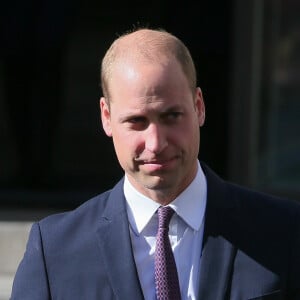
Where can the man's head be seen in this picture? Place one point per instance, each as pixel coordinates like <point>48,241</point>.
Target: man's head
<point>152,110</point>
<point>149,45</point>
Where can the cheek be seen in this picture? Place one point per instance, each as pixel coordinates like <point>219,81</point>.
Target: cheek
<point>186,136</point>
<point>128,143</point>
<point>181,134</point>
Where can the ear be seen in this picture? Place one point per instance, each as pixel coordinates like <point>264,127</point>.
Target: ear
<point>200,107</point>
<point>105,116</point>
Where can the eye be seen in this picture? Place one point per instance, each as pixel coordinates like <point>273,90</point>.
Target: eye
<point>137,123</point>
<point>172,116</point>
<point>175,114</point>
<point>136,120</point>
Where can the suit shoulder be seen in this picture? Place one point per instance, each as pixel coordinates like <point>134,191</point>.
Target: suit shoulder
<point>242,202</point>
<point>258,198</point>
<point>90,209</point>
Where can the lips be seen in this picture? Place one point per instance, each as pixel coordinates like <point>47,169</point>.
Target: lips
<point>158,164</point>
<point>158,161</point>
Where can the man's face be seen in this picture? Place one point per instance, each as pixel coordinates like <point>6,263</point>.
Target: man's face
<point>154,120</point>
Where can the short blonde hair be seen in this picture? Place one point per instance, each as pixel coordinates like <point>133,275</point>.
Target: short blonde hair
<point>147,44</point>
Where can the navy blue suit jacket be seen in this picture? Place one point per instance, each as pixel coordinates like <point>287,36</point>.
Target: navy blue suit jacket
<point>251,249</point>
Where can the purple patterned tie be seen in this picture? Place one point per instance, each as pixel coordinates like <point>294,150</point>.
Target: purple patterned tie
<point>166,278</point>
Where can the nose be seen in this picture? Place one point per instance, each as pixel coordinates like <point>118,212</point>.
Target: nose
<point>155,139</point>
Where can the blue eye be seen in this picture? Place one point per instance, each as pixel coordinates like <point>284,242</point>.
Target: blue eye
<point>173,116</point>
<point>136,120</point>
<point>137,123</point>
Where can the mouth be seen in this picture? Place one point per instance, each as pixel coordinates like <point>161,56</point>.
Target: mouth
<point>153,165</point>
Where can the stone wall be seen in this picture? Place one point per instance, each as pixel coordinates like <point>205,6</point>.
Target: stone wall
<point>13,239</point>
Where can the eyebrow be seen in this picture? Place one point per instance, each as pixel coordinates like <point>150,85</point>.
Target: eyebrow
<point>136,114</point>
<point>173,108</point>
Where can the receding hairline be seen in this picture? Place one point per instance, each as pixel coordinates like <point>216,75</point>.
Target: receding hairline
<point>145,41</point>
<point>150,45</point>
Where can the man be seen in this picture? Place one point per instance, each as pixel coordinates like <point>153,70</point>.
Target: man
<point>228,242</point>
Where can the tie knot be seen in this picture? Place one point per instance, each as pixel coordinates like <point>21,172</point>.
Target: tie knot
<point>164,216</point>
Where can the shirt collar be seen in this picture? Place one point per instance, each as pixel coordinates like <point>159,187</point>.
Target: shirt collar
<point>189,205</point>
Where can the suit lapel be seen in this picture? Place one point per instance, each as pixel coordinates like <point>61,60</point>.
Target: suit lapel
<point>217,252</point>
<point>216,266</point>
<point>115,245</point>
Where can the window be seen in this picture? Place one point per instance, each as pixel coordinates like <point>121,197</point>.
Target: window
<point>270,102</point>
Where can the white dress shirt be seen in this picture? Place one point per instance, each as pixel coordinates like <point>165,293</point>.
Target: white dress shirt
<point>185,232</point>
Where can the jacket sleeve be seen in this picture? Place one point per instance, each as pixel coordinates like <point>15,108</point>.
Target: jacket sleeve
<point>31,282</point>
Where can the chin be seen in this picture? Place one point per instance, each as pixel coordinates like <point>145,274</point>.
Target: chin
<point>159,185</point>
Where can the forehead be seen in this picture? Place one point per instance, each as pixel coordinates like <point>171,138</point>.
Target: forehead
<point>147,77</point>
<point>141,87</point>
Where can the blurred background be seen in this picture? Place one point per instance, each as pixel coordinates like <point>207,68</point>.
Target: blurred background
<point>54,154</point>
